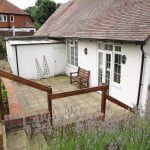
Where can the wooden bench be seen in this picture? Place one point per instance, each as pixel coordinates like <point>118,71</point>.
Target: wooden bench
<point>81,76</point>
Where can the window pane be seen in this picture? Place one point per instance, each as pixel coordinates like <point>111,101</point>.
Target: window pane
<point>72,50</point>
<point>5,18</point>
<point>117,68</point>
<point>68,51</point>
<point>108,47</point>
<point>76,53</point>
<point>101,46</point>
<point>118,48</point>
<point>100,68</point>
<point>12,18</point>
<point>72,55</point>
<point>1,18</point>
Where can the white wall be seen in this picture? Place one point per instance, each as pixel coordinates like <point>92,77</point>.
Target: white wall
<point>28,53</point>
<point>127,91</point>
<point>146,76</point>
<point>11,56</point>
<point>88,62</point>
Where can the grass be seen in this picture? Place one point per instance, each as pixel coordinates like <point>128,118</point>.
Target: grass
<point>132,133</point>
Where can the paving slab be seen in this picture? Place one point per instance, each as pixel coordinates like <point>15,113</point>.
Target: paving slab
<point>17,141</point>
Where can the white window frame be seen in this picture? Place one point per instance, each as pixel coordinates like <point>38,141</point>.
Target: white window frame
<point>102,48</point>
<point>72,52</point>
<point>4,18</point>
<point>12,20</point>
<point>113,71</point>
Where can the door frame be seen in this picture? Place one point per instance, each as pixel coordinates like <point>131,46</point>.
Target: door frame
<point>104,52</point>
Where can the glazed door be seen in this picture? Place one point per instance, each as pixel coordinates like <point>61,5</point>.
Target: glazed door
<point>104,67</point>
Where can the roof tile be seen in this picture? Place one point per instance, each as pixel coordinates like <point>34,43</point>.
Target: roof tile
<point>100,19</point>
<point>7,7</point>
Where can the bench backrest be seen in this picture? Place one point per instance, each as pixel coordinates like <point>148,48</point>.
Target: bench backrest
<point>83,73</point>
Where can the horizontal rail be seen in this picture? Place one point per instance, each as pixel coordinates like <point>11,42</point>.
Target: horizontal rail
<point>80,91</point>
<point>114,100</point>
<point>24,81</point>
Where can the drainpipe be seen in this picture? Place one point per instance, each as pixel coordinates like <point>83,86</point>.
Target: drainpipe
<point>141,75</point>
<point>16,51</point>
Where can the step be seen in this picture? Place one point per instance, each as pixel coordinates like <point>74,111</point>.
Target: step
<point>17,141</point>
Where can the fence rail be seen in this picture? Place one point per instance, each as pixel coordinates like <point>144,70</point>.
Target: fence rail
<point>51,96</point>
<point>80,91</point>
<point>24,81</point>
<point>114,100</point>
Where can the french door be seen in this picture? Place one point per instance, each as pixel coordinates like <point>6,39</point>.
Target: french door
<point>104,67</point>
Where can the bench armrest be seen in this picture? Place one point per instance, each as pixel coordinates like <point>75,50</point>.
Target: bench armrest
<point>73,73</point>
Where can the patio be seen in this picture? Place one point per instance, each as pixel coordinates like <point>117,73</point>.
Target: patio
<point>32,101</point>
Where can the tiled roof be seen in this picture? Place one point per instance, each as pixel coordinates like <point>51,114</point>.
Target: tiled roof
<point>7,7</point>
<point>127,20</point>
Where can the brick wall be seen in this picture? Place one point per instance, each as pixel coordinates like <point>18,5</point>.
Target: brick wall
<point>19,21</point>
<point>10,33</point>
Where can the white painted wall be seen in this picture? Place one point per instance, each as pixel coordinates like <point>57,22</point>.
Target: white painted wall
<point>127,91</point>
<point>18,29</point>
<point>144,98</point>
<point>11,56</point>
<point>56,54</point>
<point>27,53</point>
<point>88,62</point>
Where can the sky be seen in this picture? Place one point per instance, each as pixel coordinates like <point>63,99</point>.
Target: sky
<point>27,3</point>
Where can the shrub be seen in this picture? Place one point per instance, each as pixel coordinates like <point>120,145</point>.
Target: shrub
<point>4,98</point>
<point>132,133</point>
<point>2,48</point>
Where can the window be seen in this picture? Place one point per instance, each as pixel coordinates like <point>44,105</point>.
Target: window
<point>3,18</point>
<point>11,18</point>
<point>105,46</point>
<point>117,64</point>
<point>72,52</point>
<point>118,48</point>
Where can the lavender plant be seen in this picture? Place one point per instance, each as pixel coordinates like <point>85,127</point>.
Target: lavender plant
<point>89,132</point>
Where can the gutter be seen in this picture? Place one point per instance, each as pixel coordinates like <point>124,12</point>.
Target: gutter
<point>17,64</point>
<point>141,75</point>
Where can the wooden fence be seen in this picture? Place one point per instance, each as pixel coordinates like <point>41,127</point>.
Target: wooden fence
<point>51,96</point>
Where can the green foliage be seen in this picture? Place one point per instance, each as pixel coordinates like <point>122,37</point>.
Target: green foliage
<point>2,48</point>
<point>41,11</point>
<point>4,98</point>
<point>132,133</point>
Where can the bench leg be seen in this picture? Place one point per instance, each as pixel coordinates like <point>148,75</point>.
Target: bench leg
<point>70,79</point>
<point>87,84</point>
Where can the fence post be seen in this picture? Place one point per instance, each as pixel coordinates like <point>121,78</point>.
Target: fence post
<point>103,103</point>
<point>1,103</point>
<point>49,93</point>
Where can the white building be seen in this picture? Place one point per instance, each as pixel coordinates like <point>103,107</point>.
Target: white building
<point>108,37</point>
<point>36,58</point>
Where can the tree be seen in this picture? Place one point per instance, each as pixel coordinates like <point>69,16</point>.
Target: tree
<point>41,11</point>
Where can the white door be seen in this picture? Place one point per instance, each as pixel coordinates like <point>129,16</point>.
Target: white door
<point>104,67</point>
<point>59,61</point>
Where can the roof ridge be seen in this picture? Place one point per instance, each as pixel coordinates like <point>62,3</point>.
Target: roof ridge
<point>8,7</point>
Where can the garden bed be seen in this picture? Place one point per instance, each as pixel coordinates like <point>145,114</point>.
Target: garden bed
<point>132,133</point>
